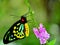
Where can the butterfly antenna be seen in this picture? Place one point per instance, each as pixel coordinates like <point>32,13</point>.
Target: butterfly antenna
<point>25,15</point>
<point>15,15</point>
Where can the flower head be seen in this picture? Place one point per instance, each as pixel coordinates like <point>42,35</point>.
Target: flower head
<point>42,34</point>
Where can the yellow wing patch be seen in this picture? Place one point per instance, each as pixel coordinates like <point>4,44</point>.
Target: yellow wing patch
<point>18,36</point>
<point>14,31</point>
<point>18,24</point>
<point>14,27</point>
<point>27,29</point>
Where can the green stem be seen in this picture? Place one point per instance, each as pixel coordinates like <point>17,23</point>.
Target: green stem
<point>31,13</point>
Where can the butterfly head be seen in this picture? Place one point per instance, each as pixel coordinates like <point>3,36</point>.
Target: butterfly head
<point>23,19</point>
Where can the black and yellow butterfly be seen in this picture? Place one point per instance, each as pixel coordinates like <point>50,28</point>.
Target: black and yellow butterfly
<point>18,30</point>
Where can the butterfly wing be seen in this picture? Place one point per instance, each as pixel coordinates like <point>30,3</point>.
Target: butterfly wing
<point>15,32</point>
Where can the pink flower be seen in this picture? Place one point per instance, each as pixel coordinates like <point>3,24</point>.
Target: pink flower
<point>42,34</point>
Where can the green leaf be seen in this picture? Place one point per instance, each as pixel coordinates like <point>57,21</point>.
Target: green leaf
<point>52,42</point>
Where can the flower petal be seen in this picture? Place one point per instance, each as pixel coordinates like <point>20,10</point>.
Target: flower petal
<point>41,29</point>
<point>42,41</point>
<point>36,32</point>
<point>41,25</point>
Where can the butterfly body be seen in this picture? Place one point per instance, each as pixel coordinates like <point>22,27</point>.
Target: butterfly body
<point>18,30</point>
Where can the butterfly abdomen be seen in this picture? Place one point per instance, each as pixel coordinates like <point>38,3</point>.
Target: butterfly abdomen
<point>26,29</point>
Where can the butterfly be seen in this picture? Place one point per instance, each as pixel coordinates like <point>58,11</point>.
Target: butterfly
<point>18,30</point>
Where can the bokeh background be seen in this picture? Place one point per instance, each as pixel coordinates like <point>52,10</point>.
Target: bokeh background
<point>46,12</point>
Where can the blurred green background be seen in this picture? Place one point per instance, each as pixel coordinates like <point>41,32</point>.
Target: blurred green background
<point>46,12</point>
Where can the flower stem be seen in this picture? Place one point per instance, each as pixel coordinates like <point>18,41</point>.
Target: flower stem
<point>42,44</point>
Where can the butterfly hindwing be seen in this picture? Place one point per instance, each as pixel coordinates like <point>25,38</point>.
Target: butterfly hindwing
<point>15,32</point>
